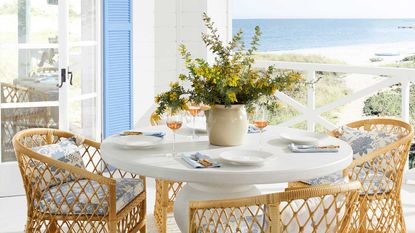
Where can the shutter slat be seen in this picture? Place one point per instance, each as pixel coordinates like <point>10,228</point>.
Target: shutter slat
<point>117,66</point>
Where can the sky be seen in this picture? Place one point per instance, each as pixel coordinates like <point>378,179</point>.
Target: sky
<point>323,9</point>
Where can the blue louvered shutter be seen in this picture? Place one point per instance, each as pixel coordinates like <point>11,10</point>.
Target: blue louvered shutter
<point>117,81</point>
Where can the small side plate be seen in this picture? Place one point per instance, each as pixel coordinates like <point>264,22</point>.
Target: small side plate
<point>244,157</point>
<point>300,138</point>
<point>137,141</point>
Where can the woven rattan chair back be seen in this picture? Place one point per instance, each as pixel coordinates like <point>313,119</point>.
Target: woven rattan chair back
<point>380,172</point>
<point>39,170</point>
<point>315,209</point>
<point>15,120</point>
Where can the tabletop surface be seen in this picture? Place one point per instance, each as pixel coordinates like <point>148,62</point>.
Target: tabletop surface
<point>281,166</point>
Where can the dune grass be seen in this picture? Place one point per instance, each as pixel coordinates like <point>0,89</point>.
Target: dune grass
<point>293,57</point>
<point>330,86</point>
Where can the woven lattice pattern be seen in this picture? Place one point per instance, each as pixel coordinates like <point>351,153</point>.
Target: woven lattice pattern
<point>316,209</point>
<point>166,192</point>
<point>380,173</point>
<point>64,211</point>
<point>15,120</point>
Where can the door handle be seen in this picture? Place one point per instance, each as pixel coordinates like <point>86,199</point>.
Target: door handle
<point>70,75</point>
<point>63,78</point>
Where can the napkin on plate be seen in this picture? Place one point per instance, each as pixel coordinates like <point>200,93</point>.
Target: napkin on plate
<point>310,149</point>
<point>253,129</point>
<point>193,160</point>
<point>153,134</point>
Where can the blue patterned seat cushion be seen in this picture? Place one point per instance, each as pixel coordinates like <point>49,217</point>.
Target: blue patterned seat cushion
<point>363,142</point>
<point>66,151</point>
<point>62,199</point>
<point>373,182</point>
<point>334,178</point>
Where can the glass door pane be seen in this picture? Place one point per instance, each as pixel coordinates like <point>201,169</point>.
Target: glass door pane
<point>29,68</point>
<point>84,63</point>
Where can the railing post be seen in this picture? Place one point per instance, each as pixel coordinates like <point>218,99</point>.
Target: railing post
<point>405,95</point>
<point>311,98</point>
<point>405,89</point>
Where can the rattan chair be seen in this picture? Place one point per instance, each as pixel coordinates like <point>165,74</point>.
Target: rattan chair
<point>380,173</point>
<point>15,120</point>
<point>166,192</point>
<point>315,209</point>
<point>99,213</point>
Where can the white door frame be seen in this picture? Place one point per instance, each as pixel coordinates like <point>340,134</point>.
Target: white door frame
<point>10,179</point>
<point>63,63</point>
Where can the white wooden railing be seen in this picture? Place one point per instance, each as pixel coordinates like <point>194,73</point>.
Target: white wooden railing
<point>313,115</point>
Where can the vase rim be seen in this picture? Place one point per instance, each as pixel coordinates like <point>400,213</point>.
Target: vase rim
<point>233,106</point>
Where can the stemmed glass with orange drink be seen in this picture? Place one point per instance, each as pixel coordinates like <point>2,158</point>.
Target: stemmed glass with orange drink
<point>260,120</point>
<point>194,110</point>
<point>174,120</point>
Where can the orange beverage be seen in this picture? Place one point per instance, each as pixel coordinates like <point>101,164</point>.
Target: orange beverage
<point>260,124</point>
<point>193,110</point>
<point>174,125</point>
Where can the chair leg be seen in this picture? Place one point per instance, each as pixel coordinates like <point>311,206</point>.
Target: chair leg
<point>362,215</point>
<point>400,218</point>
<point>29,225</point>
<point>143,218</point>
<point>161,205</point>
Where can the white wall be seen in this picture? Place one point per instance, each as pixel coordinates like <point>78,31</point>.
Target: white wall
<point>143,56</point>
<point>159,27</point>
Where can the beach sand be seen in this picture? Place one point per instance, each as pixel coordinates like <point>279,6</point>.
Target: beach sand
<point>359,54</point>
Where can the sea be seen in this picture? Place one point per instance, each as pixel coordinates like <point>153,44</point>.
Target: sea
<point>291,34</point>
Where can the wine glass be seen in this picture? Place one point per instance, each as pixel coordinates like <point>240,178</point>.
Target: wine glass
<point>193,110</point>
<point>174,121</point>
<point>260,120</point>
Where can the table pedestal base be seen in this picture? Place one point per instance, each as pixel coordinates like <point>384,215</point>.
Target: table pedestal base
<point>195,192</point>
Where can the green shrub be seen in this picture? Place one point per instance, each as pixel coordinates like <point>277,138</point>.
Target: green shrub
<point>385,103</point>
<point>388,103</point>
<point>407,62</point>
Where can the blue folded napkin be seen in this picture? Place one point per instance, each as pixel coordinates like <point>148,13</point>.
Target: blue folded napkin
<point>192,160</point>
<point>253,129</point>
<point>153,134</point>
<point>310,149</point>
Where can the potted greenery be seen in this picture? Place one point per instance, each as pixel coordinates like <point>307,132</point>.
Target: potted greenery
<point>229,85</point>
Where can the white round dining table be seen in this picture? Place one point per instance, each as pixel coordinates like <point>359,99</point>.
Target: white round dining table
<point>230,180</point>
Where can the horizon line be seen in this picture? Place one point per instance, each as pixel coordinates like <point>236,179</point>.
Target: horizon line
<point>326,18</point>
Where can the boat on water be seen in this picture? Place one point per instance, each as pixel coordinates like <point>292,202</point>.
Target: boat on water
<point>387,54</point>
<point>406,27</point>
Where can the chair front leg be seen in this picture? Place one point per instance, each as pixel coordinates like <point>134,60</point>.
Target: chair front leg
<point>161,205</point>
<point>143,219</point>
<point>363,207</point>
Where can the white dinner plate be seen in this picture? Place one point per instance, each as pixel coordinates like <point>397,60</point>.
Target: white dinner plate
<point>244,157</point>
<point>137,141</point>
<point>200,125</point>
<point>300,138</point>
